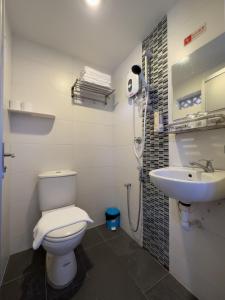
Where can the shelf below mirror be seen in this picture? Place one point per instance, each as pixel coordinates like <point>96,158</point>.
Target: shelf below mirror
<point>187,130</point>
<point>197,123</point>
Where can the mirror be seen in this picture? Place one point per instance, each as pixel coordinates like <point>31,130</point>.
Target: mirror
<point>199,80</point>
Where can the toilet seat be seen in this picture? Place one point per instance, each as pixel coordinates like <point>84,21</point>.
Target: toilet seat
<point>66,233</point>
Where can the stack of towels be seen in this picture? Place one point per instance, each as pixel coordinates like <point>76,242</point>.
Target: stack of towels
<point>90,75</point>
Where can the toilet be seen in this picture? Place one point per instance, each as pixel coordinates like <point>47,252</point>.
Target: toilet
<point>57,192</point>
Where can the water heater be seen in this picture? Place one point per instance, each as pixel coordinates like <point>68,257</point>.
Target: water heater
<point>133,84</point>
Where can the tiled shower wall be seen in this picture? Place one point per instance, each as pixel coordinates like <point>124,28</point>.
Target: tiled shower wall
<point>156,154</point>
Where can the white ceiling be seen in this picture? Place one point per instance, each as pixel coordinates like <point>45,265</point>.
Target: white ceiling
<point>102,37</point>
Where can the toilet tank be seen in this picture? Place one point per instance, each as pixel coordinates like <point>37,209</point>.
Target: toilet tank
<point>56,189</point>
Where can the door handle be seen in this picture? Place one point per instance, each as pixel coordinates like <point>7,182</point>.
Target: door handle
<point>12,155</point>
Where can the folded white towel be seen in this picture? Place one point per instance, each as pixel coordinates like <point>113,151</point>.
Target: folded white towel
<point>92,77</point>
<point>96,81</point>
<point>96,73</point>
<point>58,219</point>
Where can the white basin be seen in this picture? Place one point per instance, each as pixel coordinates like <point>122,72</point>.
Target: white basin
<point>190,185</point>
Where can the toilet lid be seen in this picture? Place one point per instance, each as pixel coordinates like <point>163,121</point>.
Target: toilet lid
<point>67,231</point>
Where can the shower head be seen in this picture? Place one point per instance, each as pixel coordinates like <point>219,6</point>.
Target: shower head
<point>136,69</point>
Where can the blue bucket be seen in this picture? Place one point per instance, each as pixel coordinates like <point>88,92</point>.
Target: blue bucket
<point>112,216</point>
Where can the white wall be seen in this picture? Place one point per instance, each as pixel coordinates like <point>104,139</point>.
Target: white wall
<point>6,139</point>
<point>99,145</point>
<point>197,256</point>
<point>125,164</point>
<point>79,139</point>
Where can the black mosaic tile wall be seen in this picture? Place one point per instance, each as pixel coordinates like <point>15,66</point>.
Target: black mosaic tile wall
<point>156,154</point>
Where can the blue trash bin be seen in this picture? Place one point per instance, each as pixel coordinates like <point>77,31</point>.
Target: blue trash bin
<point>112,216</point>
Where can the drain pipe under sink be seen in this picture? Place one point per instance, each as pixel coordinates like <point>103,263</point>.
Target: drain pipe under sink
<point>184,209</point>
<point>185,214</point>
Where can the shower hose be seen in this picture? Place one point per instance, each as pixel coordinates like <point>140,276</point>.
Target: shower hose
<point>138,151</point>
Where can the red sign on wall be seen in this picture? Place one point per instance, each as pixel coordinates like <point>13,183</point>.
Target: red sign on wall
<point>194,35</point>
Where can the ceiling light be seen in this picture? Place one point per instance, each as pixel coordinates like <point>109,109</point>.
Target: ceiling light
<point>93,3</point>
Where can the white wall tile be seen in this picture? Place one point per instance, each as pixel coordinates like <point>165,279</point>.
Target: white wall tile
<point>82,114</point>
<point>33,130</point>
<point>96,188</point>
<point>95,178</point>
<point>96,202</point>
<point>92,134</point>
<point>24,210</point>
<point>196,260</point>
<point>123,134</point>
<point>125,164</point>
<point>80,138</point>
<point>99,156</point>
<point>38,158</point>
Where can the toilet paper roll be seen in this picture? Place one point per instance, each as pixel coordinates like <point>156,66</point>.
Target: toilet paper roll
<point>26,106</point>
<point>16,105</point>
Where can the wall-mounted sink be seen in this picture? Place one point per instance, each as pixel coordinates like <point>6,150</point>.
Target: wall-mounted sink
<point>190,185</point>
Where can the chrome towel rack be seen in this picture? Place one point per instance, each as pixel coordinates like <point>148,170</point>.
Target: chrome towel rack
<point>84,90</point>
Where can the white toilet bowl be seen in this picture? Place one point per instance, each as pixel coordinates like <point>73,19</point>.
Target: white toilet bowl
<point>57,191</point>
<point>61,262</point>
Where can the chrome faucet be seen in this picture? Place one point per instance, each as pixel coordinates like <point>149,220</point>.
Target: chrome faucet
<point>208,168</point>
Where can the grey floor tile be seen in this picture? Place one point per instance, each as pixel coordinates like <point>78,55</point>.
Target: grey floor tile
<point>86,292</point>
<point>100,258</point>
<point>30,287</point>
<point>124,248</point>
<point>139,264</point>
<point>120,287</point>
<point>82,258</point>
<point>92,238</point>
<point>145,270</point>
<point>169,289</point>
<point>64,294</point>
<point>109,234</point>
<point>123,245</point>
<point>110,266</point>
<point>110,279</point>
<point>28,261</point>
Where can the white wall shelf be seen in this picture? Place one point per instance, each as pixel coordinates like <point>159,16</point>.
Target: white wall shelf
<point>31,113</point>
